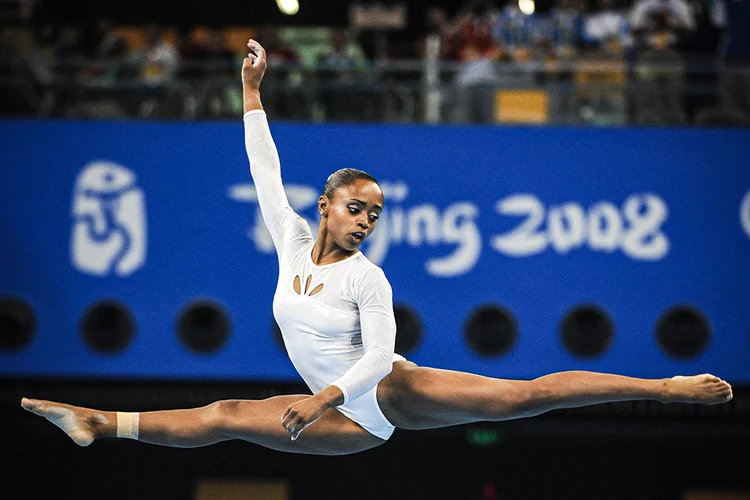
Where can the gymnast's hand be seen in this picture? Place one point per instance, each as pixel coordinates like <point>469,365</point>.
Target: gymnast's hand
<point>298,416</point>
<point>306,412</point>
<point>254,65</point>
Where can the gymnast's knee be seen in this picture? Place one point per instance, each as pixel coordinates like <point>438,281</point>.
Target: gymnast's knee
<point>226,416</point>
<point>517,399</point>
<point>532,395</point>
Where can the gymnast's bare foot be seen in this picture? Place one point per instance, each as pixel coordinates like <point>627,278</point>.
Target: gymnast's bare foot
<point>78,423</point>
<point>707,389</point>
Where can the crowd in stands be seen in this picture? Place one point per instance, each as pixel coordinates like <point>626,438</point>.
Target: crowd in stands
<point>690,58</point>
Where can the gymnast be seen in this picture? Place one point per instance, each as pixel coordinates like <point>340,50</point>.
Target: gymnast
<point>334,308</point>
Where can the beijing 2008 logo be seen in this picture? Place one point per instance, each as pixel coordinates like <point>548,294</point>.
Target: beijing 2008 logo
<point>745,213</point>
<point>108,235</point>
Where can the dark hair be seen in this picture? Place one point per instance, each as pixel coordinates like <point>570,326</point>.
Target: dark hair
<point>345,177</point>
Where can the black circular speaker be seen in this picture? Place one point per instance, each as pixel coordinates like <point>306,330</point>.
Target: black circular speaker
<point>17,323</point>
<point>203,326</point>
<point>408,328</point>
<point>107,326</point>
<point>683,332</point>
<point>490,330</point>
<point>587,331</point>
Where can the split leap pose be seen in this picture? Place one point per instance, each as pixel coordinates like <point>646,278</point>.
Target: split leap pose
<point>335,311</point>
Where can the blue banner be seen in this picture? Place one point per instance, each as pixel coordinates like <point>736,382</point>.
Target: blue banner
<point>537,220</point>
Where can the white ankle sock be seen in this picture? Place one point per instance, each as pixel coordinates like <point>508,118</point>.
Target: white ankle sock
<point>127,425</point>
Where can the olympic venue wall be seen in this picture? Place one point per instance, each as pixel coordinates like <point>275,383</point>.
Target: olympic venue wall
<point>536,221</point>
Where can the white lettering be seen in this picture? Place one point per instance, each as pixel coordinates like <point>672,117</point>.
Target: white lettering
<point>570,226</point>
<point>396,220</point>
<point>745,213</point>
<point>300,198</point>
<point>416,226</point>
<point>526,239</point>
<point>458,228</point>
<point>567,227</point>
<point>644,240</point>
<point>635,229</point>
<point>423,217</point>
<point>376,246</point>
<point>605,227</point>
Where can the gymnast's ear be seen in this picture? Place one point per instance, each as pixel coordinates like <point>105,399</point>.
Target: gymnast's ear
<point>323,205</point>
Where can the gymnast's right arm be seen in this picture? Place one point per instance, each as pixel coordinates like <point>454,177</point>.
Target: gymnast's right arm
<point>265,166</point>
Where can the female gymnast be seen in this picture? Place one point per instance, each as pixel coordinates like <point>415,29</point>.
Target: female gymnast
<point>335,311</point>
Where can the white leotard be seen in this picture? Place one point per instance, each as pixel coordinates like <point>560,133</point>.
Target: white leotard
<point>336,319</point>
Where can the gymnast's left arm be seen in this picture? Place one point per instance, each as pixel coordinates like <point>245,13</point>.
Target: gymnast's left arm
<point>374,298</point>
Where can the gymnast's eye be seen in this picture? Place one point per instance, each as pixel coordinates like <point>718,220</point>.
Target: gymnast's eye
<point>373,218</point>
<point>353,210</point>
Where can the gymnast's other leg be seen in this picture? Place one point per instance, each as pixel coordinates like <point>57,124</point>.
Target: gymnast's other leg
<point>256,421</point>
<point>415,397</point>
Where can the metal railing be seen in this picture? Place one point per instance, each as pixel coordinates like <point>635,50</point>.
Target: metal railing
<point>581,92</point>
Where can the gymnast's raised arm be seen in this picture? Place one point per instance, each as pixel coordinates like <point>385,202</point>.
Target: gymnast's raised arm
<point>265,166</point>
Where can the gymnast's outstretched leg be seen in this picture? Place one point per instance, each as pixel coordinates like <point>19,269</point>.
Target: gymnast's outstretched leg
<point>256,421</point>
<point>422,398</point>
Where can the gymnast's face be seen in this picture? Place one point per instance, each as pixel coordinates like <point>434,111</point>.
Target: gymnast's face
<point>353,212</point>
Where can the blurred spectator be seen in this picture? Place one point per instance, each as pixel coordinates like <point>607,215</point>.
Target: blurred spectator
<point>108,67</point>
<point>706,35</point>
<point>659,27</point>
<point>98,38</point>
<point>157,62</point>
<point>279,53</point>
<point>110,54</point>
<point>601,74</point>
<point>557,42</point>
<point>653,20</point>
<point>344,57</point>
<point>69,53</point>
<point>67,69</point>
<point>563,26</point>
<point>209,63</point>
<point>671,43</point>
<point>41,54</point>
<point>606,29</point>
<point>734,87</point>
<point>437,44</point>
<point>700,51</point>
<point>283,59</point>
<point>193,53</point>
<point>205,54</point>
<point>283,92</point>
<point>478,52</point>
<point>341,68</point>
<point>438,25</point>
<point>660,73</point>
<point>516,31</point>
<point>19,89</point>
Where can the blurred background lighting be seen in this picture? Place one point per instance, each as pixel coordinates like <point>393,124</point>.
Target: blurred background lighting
<point>288,7</point>
<point>527,6</point>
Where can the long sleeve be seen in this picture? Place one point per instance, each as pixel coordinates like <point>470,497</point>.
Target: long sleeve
<point>375,301</point>
<point>265,169</point>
